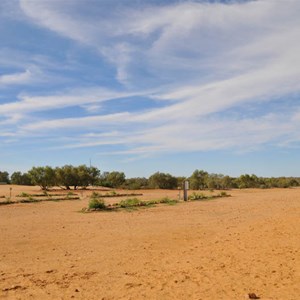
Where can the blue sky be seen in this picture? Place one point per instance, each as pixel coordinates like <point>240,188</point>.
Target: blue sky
<point>144,86</point>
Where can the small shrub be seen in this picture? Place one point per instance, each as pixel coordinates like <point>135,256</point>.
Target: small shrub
<point>70,195</point>
<point>130,202</point>
<point>7,202</point>
<point>30,199</point>
<point>24,195</point>
<point>62,198</point>
<point>167,200</point>
<point>112,194</point>
<point>153,202</point>
<point>96,195</point>
<point>224,194</point>
<point>197,196</point>
<point>97,204</point>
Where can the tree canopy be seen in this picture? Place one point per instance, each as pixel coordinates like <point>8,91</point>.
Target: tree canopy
<point>82,176</point>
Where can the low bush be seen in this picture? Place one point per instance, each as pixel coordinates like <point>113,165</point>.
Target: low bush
<point>24,195</point>
<point>130,202</point>
<point>201,196</point>
<point>30,199</point>
<point>223,194</point>
<point>197,196</point>
<point>7,202</point>
<point>96,195</point>
<point>167,200</point>
<point>62,198</point>
<point>97,204</point>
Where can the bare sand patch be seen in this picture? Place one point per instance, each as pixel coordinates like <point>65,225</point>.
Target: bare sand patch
<point>220,249</point>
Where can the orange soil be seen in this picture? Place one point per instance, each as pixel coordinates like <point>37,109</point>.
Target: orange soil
<point>218,249</point>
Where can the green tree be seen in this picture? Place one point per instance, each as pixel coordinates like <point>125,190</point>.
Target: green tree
<point>4,177</point>
<point>20,179</point>
<point>212,182</point>
<point>81,176</point>
<point>248,181</point>
<point>198,180</point>
<point>180,180</point>
<point>102,180</point>
<point>45,177</point>
<point>87,175</point>
<point>115,179</point>
<point>66,176</point>
<point>227,182</point>
<point>162,181</point>
<point>136,183</point>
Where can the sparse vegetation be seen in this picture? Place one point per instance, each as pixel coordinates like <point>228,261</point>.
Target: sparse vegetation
<point>224,194</point>
<point>130,202</point>
<point>62,198</point>
<point>7,202</point>
<point>197,196</point>
<point>112,193</point>
<point>23,194</point>
<point>82,176</point>
<point>30,199</point>
<point>200,196</point>
<point>97,204</point>
<point>48,195</point>
<point>96,195</point>
<point>167,200</point>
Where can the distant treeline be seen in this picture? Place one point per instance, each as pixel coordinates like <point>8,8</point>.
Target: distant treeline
<point>82,176</point>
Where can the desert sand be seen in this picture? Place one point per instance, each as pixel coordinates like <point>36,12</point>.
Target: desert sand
<point>219,249</point>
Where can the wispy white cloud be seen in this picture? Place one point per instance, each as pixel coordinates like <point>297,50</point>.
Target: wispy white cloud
<point>92,108</point>
<point>77,122</point>
<point>202,58</point>
<point>76,97</point>
<point>210,133</point>
<point>15,78</point>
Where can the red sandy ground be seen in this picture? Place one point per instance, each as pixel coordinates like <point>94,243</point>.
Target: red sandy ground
<point>218,249</point>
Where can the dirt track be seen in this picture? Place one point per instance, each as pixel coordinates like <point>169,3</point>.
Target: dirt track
<point>219,249</point>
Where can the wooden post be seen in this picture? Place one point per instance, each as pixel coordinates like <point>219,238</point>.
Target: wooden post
<point>185,190</point>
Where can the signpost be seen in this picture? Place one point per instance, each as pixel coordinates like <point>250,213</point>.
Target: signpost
<point>185,190</point>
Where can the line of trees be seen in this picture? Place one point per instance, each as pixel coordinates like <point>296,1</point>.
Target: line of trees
<point>46,177</point>
<point>75,177</point>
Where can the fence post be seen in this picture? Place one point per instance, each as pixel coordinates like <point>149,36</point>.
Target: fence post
<point>185,190</point>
